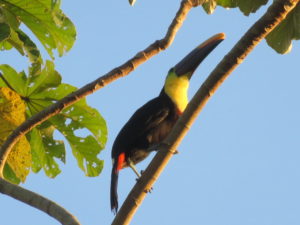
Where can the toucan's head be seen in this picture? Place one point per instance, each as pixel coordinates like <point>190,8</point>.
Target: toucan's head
<point>177,80</point>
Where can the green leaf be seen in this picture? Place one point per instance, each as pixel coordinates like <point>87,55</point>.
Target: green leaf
<point>37,150</point>
<point>23,44</point>
<point>81,125</point>
<point>9,18</point>
<point>44,18</point>
<point>54,148</point>
<point>5,46</point>
<point>4,31</point>
<point>61,91</point>
<point>18,38</point>
<point>85,149</point>
<point>246,6</point>
<point>10,175</point>
<point>29,47</point>
<point>280,39</point>
<point>39,100</point>
<point>209,6</point>
<point>16,80</point>
<point>83,116</point>
<point>48,78</point>
<point>15,42</point>
<point>44,150</point>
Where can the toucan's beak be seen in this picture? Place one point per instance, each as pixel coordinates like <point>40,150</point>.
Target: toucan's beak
<point>189,64</point>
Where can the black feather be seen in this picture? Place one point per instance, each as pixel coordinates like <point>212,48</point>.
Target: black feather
<point>113,189</point>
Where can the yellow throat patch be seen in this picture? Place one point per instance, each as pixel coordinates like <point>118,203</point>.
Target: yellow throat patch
<point>176,88</point>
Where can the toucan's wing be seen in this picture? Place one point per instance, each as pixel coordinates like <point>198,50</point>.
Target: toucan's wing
<point>144,119</point>
<point>150,115</point>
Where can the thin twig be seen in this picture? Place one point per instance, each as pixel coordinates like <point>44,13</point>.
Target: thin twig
<point>39,202</point>
<point>275,14</point>
<point>102,81</point>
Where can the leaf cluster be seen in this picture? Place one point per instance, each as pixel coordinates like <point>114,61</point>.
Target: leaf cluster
<point>280,39</point>
<point>82,126</point>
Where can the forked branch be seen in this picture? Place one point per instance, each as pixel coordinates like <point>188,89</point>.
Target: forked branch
<point>274,15</point>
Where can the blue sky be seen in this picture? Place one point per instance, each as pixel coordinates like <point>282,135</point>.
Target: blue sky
<point>239,164</point>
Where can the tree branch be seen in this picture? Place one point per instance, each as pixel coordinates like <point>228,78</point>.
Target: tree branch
<point>101,82</point>
<point>39,202</point>
<point>274,15</point>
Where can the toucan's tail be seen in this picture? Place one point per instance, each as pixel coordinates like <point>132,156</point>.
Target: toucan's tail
<point>113,189</point>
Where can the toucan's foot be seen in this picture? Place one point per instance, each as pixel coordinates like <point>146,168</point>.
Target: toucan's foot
<point>131,165</point>
<point>157,146</point>
<point>141,173</point>
<point>153,147</point>
<point>146,190</point>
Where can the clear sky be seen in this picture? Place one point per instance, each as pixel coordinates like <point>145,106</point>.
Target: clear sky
<point>239,164</point>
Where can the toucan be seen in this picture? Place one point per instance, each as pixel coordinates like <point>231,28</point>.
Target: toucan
<point>151,123</point>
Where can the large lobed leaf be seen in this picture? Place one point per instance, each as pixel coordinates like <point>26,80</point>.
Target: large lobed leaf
<point>280,39</point>
<point>12,114</point>
<point>44,151</point>
<point>41,89</point>
<point>44,18</point>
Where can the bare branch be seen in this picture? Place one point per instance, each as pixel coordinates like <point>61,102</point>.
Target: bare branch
<point>39,202</point>
<point>275,14</point>
<point>102,81</point>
